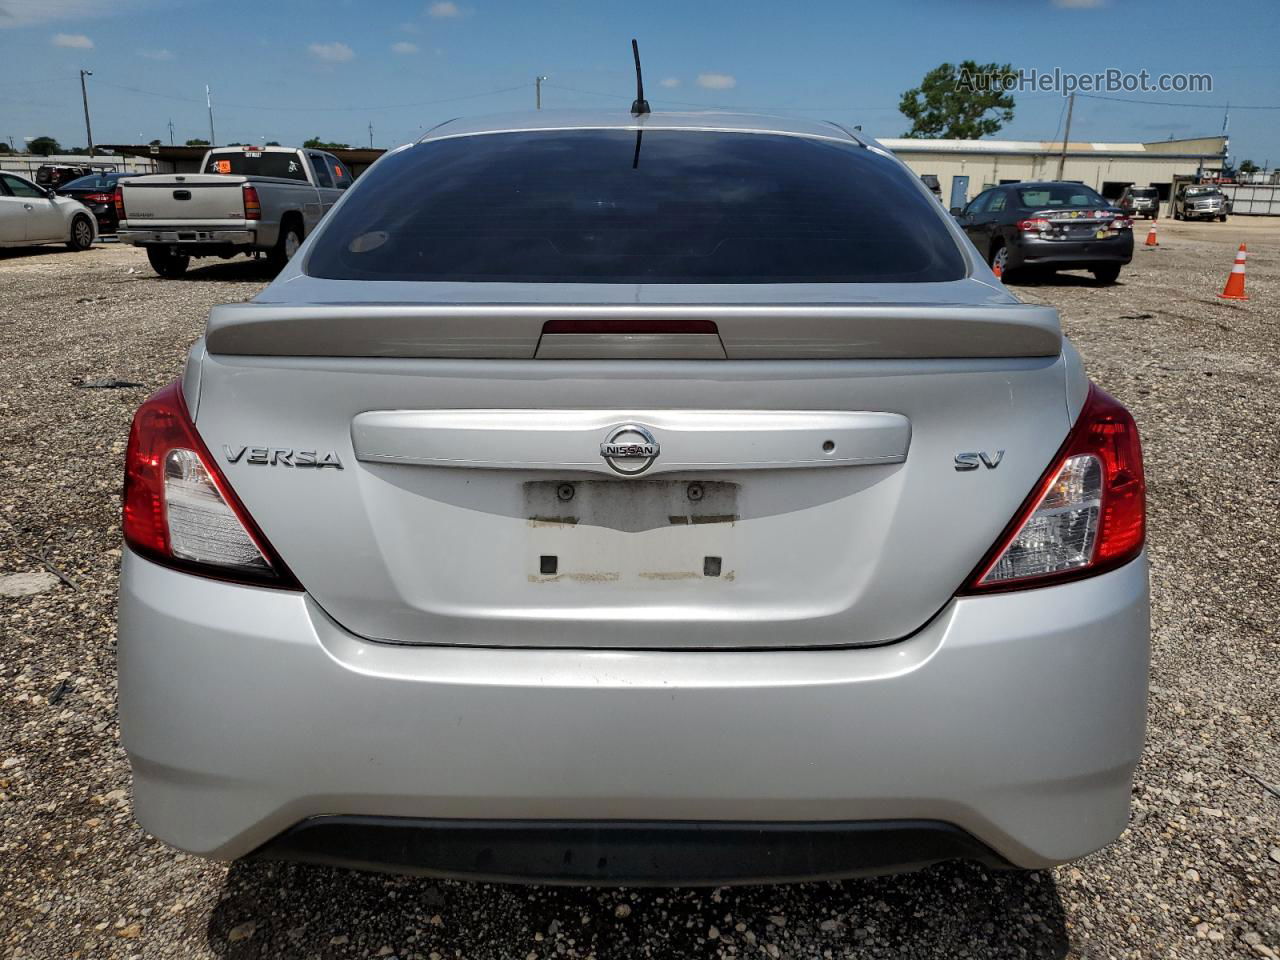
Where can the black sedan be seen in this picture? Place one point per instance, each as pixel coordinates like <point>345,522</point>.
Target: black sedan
<point>1048,226</point>
<point>97,192</point>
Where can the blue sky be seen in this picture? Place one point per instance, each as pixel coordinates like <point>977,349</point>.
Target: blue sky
<point>289,69</point>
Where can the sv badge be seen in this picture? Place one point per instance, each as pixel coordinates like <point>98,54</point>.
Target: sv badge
<point>971,461</point>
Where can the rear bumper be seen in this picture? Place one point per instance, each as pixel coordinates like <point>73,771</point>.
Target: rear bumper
<point>183,235</point>
<point>1030,251</point>
<point>1016,719</point>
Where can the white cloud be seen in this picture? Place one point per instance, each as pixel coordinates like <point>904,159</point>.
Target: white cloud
<point>404,48</point>
<point>717,81</point>
<point>1079,4</point>
<point>670,81</point>
<point>160,54</point>
<point>444,8</point>
<point>332,52</point>
<point>76,41</point>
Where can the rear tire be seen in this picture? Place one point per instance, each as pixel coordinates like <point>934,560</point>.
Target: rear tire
<point>287,245</point>
<point>1106,274</point>
<point>1177,215</point>
<point>168,264</point>
<point>81,234</point>
<point>1000,257</point>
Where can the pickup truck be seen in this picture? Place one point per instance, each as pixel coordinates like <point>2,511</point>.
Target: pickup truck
<point>246,200</point>
<point>1200,202</point>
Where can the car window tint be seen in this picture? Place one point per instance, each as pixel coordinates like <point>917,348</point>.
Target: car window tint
<point>286,165</point>
<point>998,201</point>
<point>20,188</point>
<point>1059,195</point>
<point>979,204</point>
<point>612,206</point>
<point>341,175</point>
<point>321,170</point>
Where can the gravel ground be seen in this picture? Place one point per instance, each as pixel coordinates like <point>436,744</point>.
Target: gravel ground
<point>1196,875</point>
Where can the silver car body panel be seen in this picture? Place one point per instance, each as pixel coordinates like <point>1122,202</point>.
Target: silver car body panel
<point>417,553</point>
<point>1018,717</point>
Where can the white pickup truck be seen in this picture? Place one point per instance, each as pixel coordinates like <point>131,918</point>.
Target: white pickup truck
<point>246,199</point>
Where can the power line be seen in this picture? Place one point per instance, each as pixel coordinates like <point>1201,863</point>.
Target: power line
<point>1177,103</point>
<point>717,106</point>
<point>331,109</point>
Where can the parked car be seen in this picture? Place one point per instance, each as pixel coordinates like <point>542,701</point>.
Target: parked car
<point>55,175</point>
<point>1140,202</point>
<point>248,200</point>
<point>1049,226</point>
<point>97,192</point>
<point>563,477</point>
<point>1200,202</point>
<point>31,215</point>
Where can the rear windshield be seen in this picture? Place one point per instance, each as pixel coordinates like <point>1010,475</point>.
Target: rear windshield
<point>1142,192</point>
<point>285,165</point>
<point>611,206</point>
<point>96,182</point>
<point>1065,195</point>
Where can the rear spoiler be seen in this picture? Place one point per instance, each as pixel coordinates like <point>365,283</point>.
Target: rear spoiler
<point>520,332</point>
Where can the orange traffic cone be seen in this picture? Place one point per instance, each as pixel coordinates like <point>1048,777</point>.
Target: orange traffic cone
<point>1234,290</point>
<point>1151,237</point>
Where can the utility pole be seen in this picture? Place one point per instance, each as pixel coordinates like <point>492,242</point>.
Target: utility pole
<point>537,86</point>
<point>84,95</point>
<point>208,99</point>
<point>370,134</point>
<point>1066,135</point>
<point>171,133</point>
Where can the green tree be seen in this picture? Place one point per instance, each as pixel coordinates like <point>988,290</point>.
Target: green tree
<point>315,143</point>
<point>197,142</point>
<point>153,143</point>
<point>962,102</point>
<point>4,147</point>
<point>1248,166</point>
<point>273,143</point>
<point>44,146</point>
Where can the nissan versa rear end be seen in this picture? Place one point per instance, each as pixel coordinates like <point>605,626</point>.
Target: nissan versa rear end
<point>660,499</point>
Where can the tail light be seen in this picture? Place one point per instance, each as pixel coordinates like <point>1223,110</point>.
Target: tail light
<point>252,206</point>
<point>1034,225</point>
<point>100,197</point>
<point>1086,515</point>
<point>119,195</point>
<point>179,509</point>
<point>1121,223</point>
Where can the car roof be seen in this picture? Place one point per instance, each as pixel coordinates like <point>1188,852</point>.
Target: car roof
<point>1046,183</point>
<point>621,119</point>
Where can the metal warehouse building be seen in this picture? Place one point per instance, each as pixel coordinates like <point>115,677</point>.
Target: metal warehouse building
<point>965,168</point>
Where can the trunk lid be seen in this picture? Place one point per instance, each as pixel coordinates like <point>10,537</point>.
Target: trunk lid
<point>431,476</point>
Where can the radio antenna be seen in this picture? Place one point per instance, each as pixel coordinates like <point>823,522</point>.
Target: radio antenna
<point>640,106</point>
